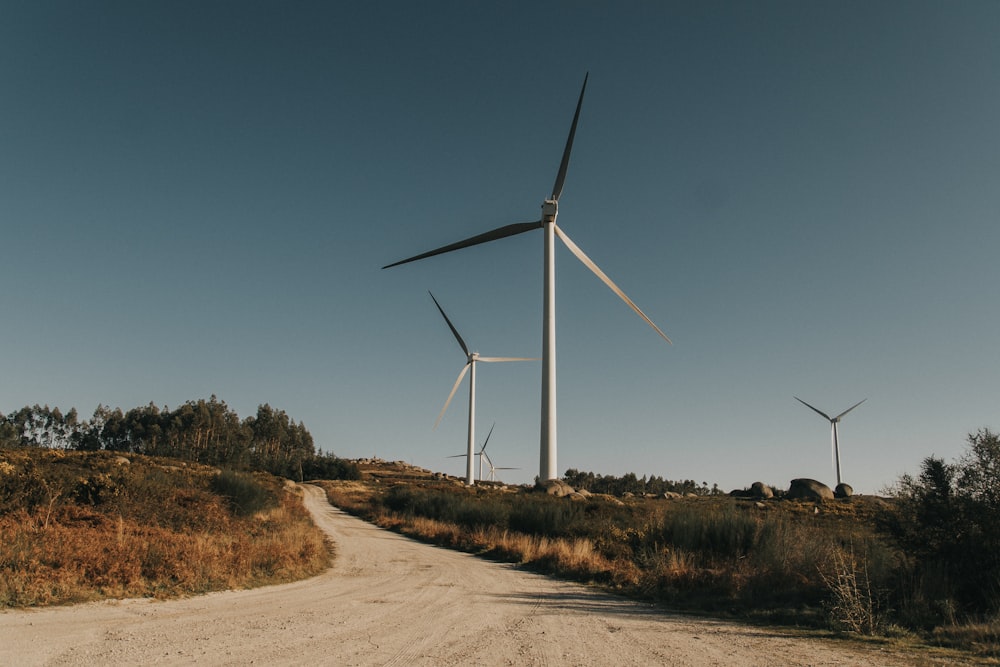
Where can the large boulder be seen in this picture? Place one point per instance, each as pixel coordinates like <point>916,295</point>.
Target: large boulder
<point>809,489</point>
<point>843,491</point>
<point>761,491</point>
<point>556,487</point>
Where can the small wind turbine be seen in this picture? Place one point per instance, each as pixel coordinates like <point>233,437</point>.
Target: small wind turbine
<point>493,468</point>
<point>550,209</point>
<point>833,429</point>
<point>472,359</point>
<point>479,454</point>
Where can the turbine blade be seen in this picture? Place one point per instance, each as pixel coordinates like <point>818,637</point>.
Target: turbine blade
<point>564,165</point>
<point>453,390</point>
<point>489,460</point>
<point>498,233</point>
<point>580,255</point>
<point>492,359</point>
<point>850,408</point>
<point>812,408</point>
<point>451,326</point>
<point>456,456</point>
<point>502,468</point>
<point>833,447</point>
<point>483,450</point>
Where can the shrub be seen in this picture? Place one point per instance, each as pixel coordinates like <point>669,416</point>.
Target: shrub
<point>245,494</point>
<point>947,520</point>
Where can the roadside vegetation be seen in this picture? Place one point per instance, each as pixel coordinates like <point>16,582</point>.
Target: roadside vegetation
<point>153,502</point>
<point>921,565</point>
<point>80,526</point>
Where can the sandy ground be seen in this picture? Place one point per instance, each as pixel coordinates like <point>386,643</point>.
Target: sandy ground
<point>391,601</point>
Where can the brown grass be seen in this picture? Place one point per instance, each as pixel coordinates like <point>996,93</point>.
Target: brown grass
<point>63,551</point>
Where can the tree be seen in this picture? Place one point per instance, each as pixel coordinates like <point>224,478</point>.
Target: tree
<point>947,521</point>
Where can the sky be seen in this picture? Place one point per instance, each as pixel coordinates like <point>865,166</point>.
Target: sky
<point>196,198</point>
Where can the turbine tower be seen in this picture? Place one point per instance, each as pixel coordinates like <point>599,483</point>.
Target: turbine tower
<point>550,210</point>
<point>470,365</point>
<point>833,429</point>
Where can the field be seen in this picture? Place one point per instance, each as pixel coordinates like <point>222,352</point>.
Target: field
<point>81,526</point>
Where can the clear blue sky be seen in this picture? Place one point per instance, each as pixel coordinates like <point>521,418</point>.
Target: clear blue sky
<point>196,198</point>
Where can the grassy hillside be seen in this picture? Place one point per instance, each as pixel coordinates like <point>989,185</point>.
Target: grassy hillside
<point>77,526</point>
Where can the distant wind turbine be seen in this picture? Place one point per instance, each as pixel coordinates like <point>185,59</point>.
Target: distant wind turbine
<point>550,209</point>
<point>833,428</point>
<point>493,468</point>
<point>471,359</point>
<point>479,454</point>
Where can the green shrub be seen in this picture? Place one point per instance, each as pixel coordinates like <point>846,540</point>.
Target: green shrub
<point>246,495</point>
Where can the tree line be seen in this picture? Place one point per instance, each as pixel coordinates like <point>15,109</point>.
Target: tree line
<point>630,483</point>
<point>203,431</point>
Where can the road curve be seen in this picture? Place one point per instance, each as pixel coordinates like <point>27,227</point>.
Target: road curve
<point>388,600</point>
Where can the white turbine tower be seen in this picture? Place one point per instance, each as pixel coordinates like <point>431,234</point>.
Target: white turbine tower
<point>550,209</point>
<point>471,359</point>
<point>835,440</point>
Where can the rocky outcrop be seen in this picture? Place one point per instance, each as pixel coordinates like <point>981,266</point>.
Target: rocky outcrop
<point>843,491</point>
<point>556,487</point>
<point>809,489</point>
<point>761,491</point>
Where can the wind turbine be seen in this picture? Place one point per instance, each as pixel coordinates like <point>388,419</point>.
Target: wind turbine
<point>547,223</point>
<point>493,468</point>
<point>833,428</point>
<point>471,359</point>
<point>479,454</point>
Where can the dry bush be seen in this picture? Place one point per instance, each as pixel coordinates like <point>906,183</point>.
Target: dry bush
<point>854,604</point>
<point>122,547</point>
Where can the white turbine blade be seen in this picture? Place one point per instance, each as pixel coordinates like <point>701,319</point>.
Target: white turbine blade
<point>817,410</point>
<point>486,442</point>
<point>850,408</point>
<point>580,255</point>
<point>491,359</point>
<point>453,390</point>
<point>465,348</point>
<point>489,460</point>
<point>833,446</point>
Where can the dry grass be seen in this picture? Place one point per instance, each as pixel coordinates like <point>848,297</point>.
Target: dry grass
<point>68,551</point>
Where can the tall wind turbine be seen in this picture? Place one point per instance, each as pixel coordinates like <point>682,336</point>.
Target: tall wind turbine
<point>833,428</point>
<point>471,359</point>
<point>550,209</point>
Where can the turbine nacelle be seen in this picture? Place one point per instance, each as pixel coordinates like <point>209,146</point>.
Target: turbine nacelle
<point>550,209</point>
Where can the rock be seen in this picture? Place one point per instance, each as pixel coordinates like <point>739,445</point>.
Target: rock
<point>122,461</point>
<point>556,487</point>
<point>809,489</point>
<point>843,491</point>
<point>759,505</point>
<point>576,496</point>
<point>671,495</point>
<point>584,492</point>
<point>761,490</point>
<point>628,494</point>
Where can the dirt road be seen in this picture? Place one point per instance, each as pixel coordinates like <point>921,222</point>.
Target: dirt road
<point>390,601</point>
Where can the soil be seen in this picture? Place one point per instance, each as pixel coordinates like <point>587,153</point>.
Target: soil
<point>388,600</point>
